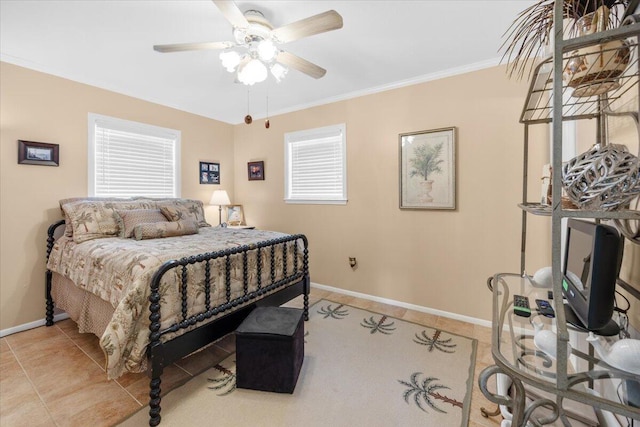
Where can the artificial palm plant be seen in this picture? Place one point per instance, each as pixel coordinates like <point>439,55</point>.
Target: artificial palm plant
<point>530,33</point>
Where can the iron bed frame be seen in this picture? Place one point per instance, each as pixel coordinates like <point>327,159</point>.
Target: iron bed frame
<point>231,313</point>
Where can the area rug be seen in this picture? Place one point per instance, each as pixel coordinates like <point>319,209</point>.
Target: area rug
<point>360,369</point>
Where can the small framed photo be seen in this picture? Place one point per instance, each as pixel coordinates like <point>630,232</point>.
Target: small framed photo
<point>235,215</point>
<point>38,153</point>
<point>209,173</point>
<point>428,169</point>
<point>255,171</point>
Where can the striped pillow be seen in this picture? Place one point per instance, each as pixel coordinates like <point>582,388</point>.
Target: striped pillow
<point>165,229</point>
<point>129,219</point>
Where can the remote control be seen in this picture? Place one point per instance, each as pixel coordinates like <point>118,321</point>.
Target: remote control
<point>521,306</point>
<point>545,308</point>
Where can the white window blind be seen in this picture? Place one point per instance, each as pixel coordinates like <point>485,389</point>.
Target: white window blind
<point>132,159</point>
<point>316,165</point>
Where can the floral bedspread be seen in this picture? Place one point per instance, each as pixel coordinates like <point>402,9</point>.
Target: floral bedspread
<point>120,271</point>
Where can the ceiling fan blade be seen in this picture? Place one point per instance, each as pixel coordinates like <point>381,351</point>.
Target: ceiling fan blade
<point>232,13</point>
<point>166,48</point>
<point>321,23</point>
<point>302,65</point>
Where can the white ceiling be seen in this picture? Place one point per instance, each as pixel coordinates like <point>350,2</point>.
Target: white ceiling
<point>383,44</point>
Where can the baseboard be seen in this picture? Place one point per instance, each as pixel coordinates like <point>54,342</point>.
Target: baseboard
<point>455,316</point>
<point>31,325</point>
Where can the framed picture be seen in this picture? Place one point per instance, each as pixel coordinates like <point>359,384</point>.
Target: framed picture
<point>235,215</point>
<point>38,153</point>
<point>255,171</point>
<point>209,173</point>
<point>428,169</point>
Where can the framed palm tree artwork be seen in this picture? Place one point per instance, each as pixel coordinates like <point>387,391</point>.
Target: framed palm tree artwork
<point>428,169</point>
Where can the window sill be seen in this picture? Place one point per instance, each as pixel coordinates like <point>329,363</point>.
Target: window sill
<point>315,202</point>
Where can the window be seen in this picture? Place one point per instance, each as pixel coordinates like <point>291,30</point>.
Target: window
<point>316,166</point>
<point>132,159</point>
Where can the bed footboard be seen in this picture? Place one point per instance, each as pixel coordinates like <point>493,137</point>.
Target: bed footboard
<point>281,283</point>
<point>292,281</point>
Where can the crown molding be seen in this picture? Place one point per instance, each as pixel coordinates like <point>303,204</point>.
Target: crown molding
<point>450,72</point>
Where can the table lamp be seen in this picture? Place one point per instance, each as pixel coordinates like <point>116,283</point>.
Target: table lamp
<point>219,198</point>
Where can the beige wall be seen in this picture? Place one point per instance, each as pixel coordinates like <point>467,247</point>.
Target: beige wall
<point>40,107</point>
<point>437,259</point>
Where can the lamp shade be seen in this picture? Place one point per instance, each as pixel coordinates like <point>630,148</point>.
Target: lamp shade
<point>252,72</point>
<point>219,198</point>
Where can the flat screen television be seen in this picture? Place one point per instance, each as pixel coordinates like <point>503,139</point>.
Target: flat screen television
<point>593,255</point>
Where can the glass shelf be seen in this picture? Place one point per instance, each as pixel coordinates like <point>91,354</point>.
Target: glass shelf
<point>545,210</point>
<point>517,354</point>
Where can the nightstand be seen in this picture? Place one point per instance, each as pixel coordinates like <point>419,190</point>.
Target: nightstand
<point>241,227</point>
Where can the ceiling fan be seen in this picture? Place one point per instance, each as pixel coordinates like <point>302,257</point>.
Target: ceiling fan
<point>255,49</point>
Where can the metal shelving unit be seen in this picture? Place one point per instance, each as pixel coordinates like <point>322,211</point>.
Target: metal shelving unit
<point>542,106</point>
<point>550,100</point>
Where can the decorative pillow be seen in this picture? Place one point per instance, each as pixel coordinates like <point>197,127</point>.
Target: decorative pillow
<point>184,209</point>
<point>154,230</point>
<point>68,230</point>
<point>96,219</point>
<point>128,219</point>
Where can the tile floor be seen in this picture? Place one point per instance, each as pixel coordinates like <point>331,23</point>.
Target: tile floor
<point>53,376</point>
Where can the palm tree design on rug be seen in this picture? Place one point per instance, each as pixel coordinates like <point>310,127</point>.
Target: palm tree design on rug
<point>226,383</point>
<point>424,392</point>
<point>335,313</point>
<point>435,342</point>
<point>378,326</point>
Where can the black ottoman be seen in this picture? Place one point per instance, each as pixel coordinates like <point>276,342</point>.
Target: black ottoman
<point>270,349</point>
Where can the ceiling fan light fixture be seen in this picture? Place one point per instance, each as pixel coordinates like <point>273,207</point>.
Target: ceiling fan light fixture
<point>255,50</point>
<point>240,35</point>
<point>252,72</point>
<point>267,50</point>
<point>230,60</point>
<point>278,71</point>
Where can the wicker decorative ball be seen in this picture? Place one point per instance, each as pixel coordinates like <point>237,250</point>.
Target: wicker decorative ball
<point>603,178</point>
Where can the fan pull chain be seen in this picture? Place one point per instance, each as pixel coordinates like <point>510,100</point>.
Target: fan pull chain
<point>267,124</point>
<point>248,119</point>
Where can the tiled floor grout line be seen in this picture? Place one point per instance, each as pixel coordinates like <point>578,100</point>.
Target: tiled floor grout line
<point>102,368</point>
<point>33,386</point>
<point>99,365</point>
<point>182,369</point>
<point>132,396</point>
<point>80,348</point>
